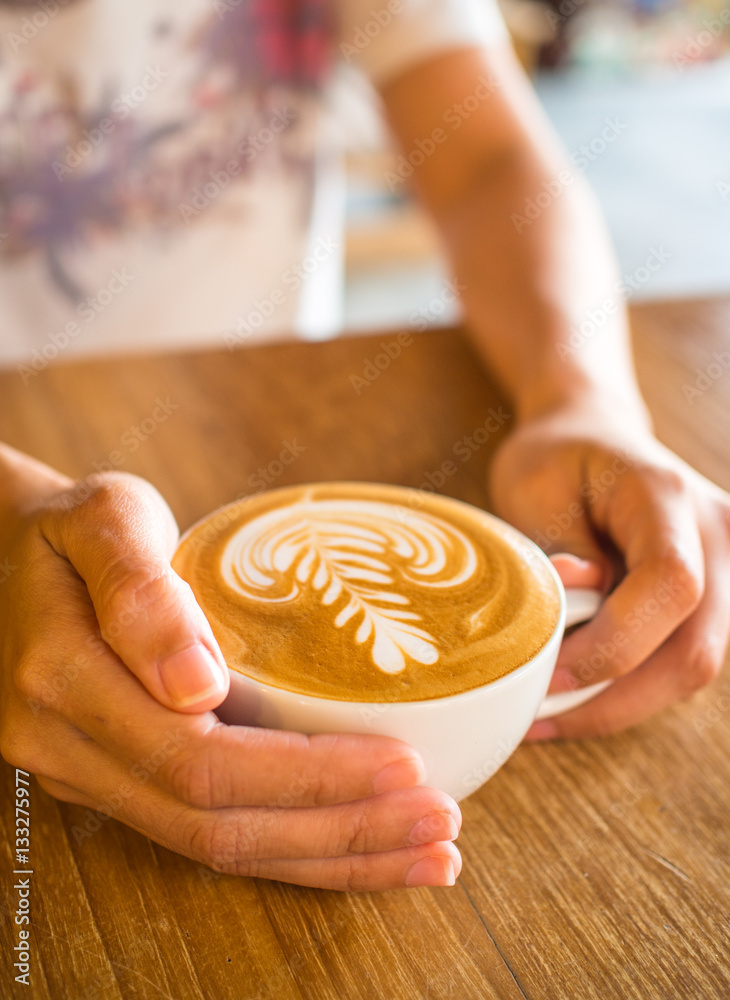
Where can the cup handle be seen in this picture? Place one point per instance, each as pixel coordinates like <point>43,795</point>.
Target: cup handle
<point>581,603</point>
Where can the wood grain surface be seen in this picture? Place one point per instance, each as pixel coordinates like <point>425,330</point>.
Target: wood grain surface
<point>596,869</point>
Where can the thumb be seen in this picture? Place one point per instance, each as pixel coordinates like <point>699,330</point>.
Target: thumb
<point>120,540</point>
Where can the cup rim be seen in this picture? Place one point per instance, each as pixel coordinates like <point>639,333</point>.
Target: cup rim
<point>500,682</point>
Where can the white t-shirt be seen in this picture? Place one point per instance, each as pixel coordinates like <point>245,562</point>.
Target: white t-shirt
<point>167,179</point>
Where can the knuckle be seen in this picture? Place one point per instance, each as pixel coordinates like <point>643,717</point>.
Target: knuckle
<point>703,667</point>
<point>43,682</point>
<point>92,500</point>
<point>355,876</point>
<point>133,587</point>
<point>355,833</point>
<point>324,782</point>
<point>441,802</point>
<point>216,842</point>
<point>33,682</point>
<point>191,778</point>
<point>686,582</point>
<point>673,481</point>
<point>105,493</point>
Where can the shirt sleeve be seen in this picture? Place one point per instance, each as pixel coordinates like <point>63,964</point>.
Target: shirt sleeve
<point>385,37</point>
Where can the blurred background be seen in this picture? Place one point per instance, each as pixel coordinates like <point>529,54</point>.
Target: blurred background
<point>639,90</point>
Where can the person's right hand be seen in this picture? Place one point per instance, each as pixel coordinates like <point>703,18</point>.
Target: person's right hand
<point>109,675</point>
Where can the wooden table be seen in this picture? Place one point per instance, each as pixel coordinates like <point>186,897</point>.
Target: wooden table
<point>592,869</point>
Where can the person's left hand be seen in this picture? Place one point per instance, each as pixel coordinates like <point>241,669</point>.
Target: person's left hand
<point>656,535</point>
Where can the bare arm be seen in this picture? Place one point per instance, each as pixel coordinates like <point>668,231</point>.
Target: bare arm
<point>581,472</point>
<point>534,272</point>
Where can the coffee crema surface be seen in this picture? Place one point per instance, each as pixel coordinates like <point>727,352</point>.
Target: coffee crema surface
<point>362,592</point>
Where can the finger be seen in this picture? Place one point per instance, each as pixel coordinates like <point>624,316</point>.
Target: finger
<point>202,761</point>
<point>380,823</point>
<point>687,661</point>
<point>576,572</point>
<point>410,867</point>
<point>237,841</point>
<point>64,793</point>
<point>120,541</point>
<point>654,523</point>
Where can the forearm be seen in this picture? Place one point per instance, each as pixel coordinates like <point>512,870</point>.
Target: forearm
<point>543,297</point>
<point>526,238</point>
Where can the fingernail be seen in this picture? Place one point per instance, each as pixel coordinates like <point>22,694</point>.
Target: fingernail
<point>192,675</point>
<point>545,729</point>
<point>433,828</point>
<point>431,871</point>
<point>401,774</point>
<point>575,560</point>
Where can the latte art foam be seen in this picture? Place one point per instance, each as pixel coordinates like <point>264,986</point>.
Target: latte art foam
<point>358,552</point>
<point>368,593</point>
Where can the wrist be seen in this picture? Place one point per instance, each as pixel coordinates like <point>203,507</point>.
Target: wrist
<point>548,375</point>
<point>586,400</point>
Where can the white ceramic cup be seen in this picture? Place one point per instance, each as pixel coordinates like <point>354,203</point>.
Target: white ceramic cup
<point>463,738</point>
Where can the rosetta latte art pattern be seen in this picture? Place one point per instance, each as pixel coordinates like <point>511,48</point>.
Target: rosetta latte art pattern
<point>352,553</point>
